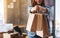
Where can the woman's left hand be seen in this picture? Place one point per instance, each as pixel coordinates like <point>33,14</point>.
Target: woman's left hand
<point>43,9</point>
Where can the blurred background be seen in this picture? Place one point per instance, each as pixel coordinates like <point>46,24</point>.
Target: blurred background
<point>16,12</point>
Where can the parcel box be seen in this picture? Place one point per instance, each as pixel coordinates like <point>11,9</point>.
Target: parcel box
<point>38,23</point>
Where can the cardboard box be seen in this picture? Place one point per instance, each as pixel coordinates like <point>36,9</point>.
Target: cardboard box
<point>38,23</point>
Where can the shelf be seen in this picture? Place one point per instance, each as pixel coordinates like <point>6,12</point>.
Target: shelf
<point>21,26</point>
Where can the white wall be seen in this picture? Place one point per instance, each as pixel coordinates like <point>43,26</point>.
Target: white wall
<point>57,17</point>
<point>58,10</point>
<point>1,11</point>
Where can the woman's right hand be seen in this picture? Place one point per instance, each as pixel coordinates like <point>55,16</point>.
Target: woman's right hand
<point>35,9</point>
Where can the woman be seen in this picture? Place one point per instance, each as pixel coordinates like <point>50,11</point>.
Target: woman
<point>38,6</point>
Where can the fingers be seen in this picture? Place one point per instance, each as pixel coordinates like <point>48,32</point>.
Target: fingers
<point>43,9</point>
<point>39,8</point>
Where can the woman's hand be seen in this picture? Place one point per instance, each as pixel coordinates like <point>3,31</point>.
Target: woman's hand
<point>35,9</point>
<point>43,9</point>
<point>38,8</point>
